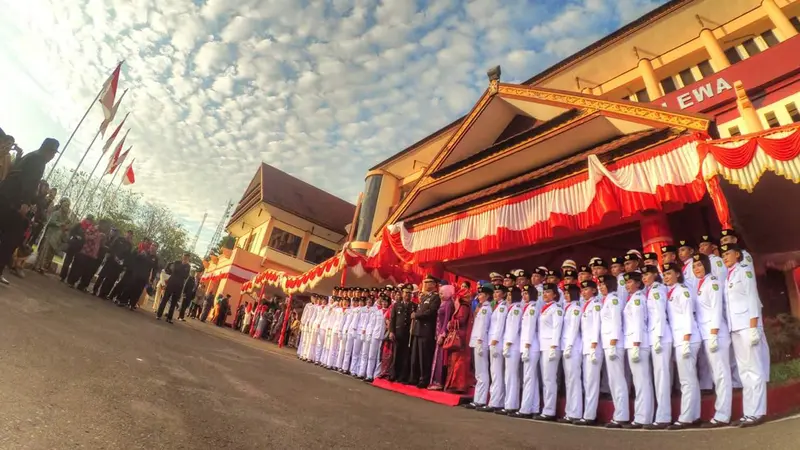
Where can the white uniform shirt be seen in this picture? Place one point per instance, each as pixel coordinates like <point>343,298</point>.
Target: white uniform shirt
<point>680,308</point>
<point>336,320</point>
<point>590,325</point>
<point>378,324</point>
<point>498,324</point>
<point>634,317</point>
<point>743,300</point>
<point>480,327</point>
<point>511,330</point>
<point>355,324</point>
<point>718,268</point>
<point>530,326</point>
<point>321,309</point>
<point>551,321</point>
<point>657,322</point>
<point>363,321</point>
<point>611,321</point>
<point>348,317</point>
<point>747,258</point>
<point>709,308</point>
<point>688,276</point>
<point>622,292</point>
<point>571,329</point>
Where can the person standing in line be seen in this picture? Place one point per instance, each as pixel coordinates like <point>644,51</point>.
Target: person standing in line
<point>613,334</point>
<point>119,248</point>
<point>423,333</point>
<point>189,293</point>
<point>400,334</point>
<point>365,334</point>
<point>304,316</point>
<point>74,245</point>
<point>591,351</point>
<point>375,338</point>
<point>479,342</point>
<point>178,273</point>
<point>687,340</point>
<point>142,267</point>
<point>349,331</point>
<point>496,365</point>
<point>660,335</point>
<point>511,352</point>
<point>358,338</point>
<point>313,329</point>
<point>53,238</point>
<point>572,349</point>
<point>335,332</point>
<point>344,332</point>
<point>551,322</point>
<point>747,334</point>
<point>529,353</point>
<point>458,367</point>
<point>637,345</point>
<point>443,315</point>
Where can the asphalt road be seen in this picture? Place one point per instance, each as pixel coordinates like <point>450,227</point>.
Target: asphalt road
<point>78,372</point>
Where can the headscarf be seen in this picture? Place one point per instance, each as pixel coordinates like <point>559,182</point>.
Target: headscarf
<point>447,291</point>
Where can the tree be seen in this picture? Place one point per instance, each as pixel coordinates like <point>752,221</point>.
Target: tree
<point>227,241</point>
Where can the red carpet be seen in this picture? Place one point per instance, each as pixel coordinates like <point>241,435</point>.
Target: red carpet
<point>442,398</point>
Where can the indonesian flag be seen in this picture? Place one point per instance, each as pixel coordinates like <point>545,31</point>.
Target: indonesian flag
<point>107,121</point>
<point>114,160</point>
<point>121,160</point>
<point>109,93</point>
<point>114,134</point>
<point>129,177</point>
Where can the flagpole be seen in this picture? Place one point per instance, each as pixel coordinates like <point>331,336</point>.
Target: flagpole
<point>72,177</point>
<point>64,148</point>
<point>80,195</point>
<point>103,205</point>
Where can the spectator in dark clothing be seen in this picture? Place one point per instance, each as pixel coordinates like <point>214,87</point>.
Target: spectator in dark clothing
<point>178,273</point>
<point>189,292</point>
<point>13,236</point>
<point>117,251</point>
<point>77,236</point>
<point>143,267</point>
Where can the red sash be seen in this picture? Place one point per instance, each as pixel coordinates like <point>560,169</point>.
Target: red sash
<point>700,285</point>
<point>730,272</point>
<point>545,307</point>
<point>669,293</point>
<point>586,306</point>
<point>526,307</point>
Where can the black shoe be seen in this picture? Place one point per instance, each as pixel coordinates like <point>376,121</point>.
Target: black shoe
<point>748,422</point>
<point>656,426</point>
<point>170,321</point>
<point>545,418</point>
<point>520,415</point>
<point>485,408</point>
<point>677,426</point>
<point>472,405</point>
<point>616,425</point>
<point>502,412</point>
<point>158,318</point>
<point>422,386</point>
<point>564,420</point>
<point>368,380</point>
<point>584,422</point>
<point>634,426</point>
<point>714,424</point>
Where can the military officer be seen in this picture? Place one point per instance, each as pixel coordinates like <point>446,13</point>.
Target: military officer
<point>572,348</point>
<point>661,343</point>
<point>423,333</point>
<point>496,279</point>
<point>747,334</point>
<point>613,337</point>
<point>496,363</point>
<point>529,349</point>
<point>511,351</point>
<point>637,345</point>
<point>551,320</point>
<point>479,342</point>
<point>537,280</point>
<point>591,351</point>
<point>400,333</point>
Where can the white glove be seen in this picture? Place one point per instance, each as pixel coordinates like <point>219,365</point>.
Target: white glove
<point>552,355</point>
<point>657,346</point>
<point>612,353</point>
<point>480,350</point>
<point>635,355</point>
<point>755,336</point>
<point>686,350</point>
<point>568,352</point>
<point>593,356</point>
<point>526,354</point>
<point>713,343</point>
<point>506,351</point>
<point>493,351</point>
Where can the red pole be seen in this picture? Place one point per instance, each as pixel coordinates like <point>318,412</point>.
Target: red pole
<point>285,320</point>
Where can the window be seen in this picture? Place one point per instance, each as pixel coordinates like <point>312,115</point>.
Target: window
<point>686,77</point>
<point>769,38</point>
<point>316,253</point>
<point>284,242</point>
<point>772,120</point>
<point>642,97</point>
<point>733,55</point>
<point>668,85</point>
<point>253,243</point>
<point>705,68</point>
<point>791,108</point>
<point>751,47</point>
<point>796,22</point>
<point>734,131</point>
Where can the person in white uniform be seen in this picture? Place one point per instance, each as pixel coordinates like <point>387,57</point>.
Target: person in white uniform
<point>352,356</point>
<point>345,333</point>
<point>366,335</point>
<point>497,389</point>
<point>551,320</point>
<point>511,353</point>
<point>304,315</point>
<point>680,309</point>
<point>336,333</point>
<point>707,246</point>
<point>377,329</point>
<point>747,334</point>
<point>313,323</point>
<point>358,332</point>
<point>613,336</point>
<point>637,346</point>
<point>685,253</point>
<point>479,342</point>
<point>305,322</point>
<point>710,314</point>
<point>661,344</point>
<point>322,331</point>
<point>572,352</point>
<point>591,351</point>
<point>529,352</point>
<point>618,270</point>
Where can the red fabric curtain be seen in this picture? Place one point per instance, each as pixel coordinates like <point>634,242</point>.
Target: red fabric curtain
<point>782,149</point>
<point>719,201</point>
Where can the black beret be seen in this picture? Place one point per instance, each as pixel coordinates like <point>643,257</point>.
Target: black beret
<point>651,269</point>
<point>650,255</point>
<point>588,284</point>
<point>669,249</point>
<point>636,276</point>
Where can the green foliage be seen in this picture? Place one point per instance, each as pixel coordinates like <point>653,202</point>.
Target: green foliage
<point>783,336</point>
<point>124,209</point>
<point>785,371</point>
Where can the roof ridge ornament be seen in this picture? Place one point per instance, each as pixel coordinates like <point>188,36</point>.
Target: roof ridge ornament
<point>494,79</point>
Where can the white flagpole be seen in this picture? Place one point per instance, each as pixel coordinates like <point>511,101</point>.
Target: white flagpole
<point>64,148</point>
<point>117,170</point>
<point>103,204</point>
<point>72,177</point>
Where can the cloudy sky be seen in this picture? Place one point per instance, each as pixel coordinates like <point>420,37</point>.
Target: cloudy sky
<point>320,89</point>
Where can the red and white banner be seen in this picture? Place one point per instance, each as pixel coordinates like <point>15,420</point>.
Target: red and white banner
<point>129,178</point>
<point>115,160</point>
<point>107,121</point>
<point>233,272</point>
<point>109,93</point>
<point>114,134</point>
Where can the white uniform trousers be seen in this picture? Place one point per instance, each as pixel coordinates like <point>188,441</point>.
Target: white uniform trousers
<point>618,385</point>
<point>642,386</point>
<point>300,342</point>
<point>342,348</point>
<point>320,344</point>
<point>372,357</point>
<point>549,382</point>
<point>326,350</point>
<point>348,352</point>
<point>591,383</point>
<point>497,391</point>
<point>481,394</point>
<point>750,361</point>
<point>662,363</point>
<point>333,352</point>
<point>355,360</point>
<point>311,345</point>
<point>736,381</point>
<point>574,387</point>
<point>690,386</point>
<point>704,370</point>
<point>512,383</point>
<point>765,358</point>
<point>530,385</point>
<point>364,360</point>
<point>720,364</point>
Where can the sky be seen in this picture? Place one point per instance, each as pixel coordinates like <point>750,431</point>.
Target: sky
<point>322,90</point>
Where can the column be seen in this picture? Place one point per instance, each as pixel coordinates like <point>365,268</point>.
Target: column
<point>650,80</point>
<point>654,228</point>
<point>746,110</point>
<point>366,213</point>
<point>779,19</point>
<point>718,58</point>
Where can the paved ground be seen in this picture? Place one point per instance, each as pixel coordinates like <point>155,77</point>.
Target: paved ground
<point>80,373</point>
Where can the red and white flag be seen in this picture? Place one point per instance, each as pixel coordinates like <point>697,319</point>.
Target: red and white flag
<point>114,160</point>
<point>107,121</point>
<point>114,134</point>
<point>129,177</point>
<point>109,93</point>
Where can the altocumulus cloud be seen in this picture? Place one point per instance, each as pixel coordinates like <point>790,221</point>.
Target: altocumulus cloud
<point>217,86</point>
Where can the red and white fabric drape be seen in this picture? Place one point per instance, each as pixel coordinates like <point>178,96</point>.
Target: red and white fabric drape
<point>231,272</point>
<point>651,181</point>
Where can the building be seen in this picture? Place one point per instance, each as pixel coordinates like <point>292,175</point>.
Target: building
<point>497,188</point>
<point>282,224</point>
